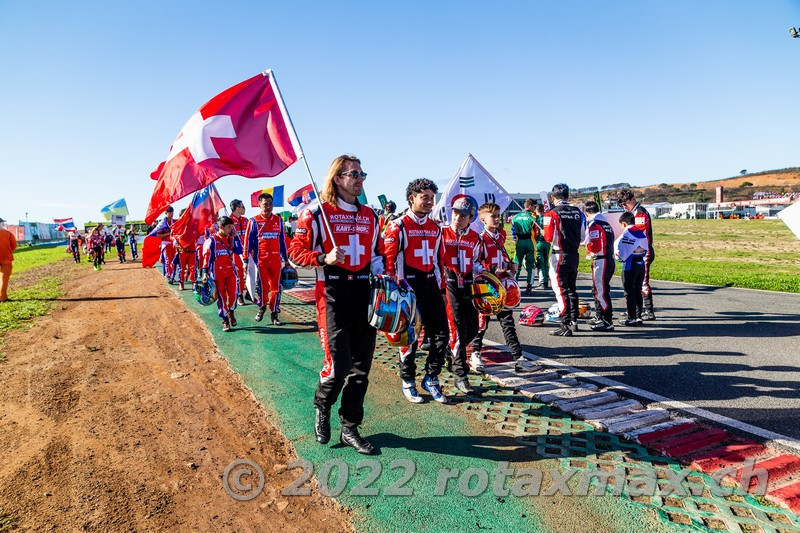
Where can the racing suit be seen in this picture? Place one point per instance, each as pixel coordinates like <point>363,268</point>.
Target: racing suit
<point>168,252</point>
<point>521,227</point>
<point>218,254</point>
<point>342,294</point>
<point>240,227</point>
<point>600,249</point>
<point>631,250</point>
<point>119,243</point>
<point>461,259</point>
<point>643,223</point>
<point>74,247</point>
<point>96,242</point>
<point>133,244</point>
<point>493,257</point>
<point>266,245</point>
<point>542,252</point>
<point>564,228</point>
<point>188,266</point>
<point>412,253</point>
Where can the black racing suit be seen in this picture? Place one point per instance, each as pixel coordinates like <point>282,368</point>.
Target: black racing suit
<point>565,229</point>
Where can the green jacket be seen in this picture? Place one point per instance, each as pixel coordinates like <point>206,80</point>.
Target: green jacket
<point>522,224</point>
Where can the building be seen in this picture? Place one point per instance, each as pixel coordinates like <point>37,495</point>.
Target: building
<point>748,208</point>
<point>689,210</point>
<point>659,209</point>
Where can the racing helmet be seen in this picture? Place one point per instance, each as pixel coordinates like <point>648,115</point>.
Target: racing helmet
<point>288,278</point>
<point>205,293</point>
<point>392,305</point>
<point>488,294</point>
<point>405,338</point>
<point>584,310</point>
<point>513,294</point>
<point>531,316</point>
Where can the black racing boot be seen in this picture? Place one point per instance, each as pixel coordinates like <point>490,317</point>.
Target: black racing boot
<point>350,437</point>
<point>230,313</point>
<point>322,426</point>
<point>260,313</point>
<point>275,320</point>
<point>562,331</point>
<point>648,315</point>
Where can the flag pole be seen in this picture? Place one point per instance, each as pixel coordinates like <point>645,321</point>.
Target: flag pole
<point>298,148</point>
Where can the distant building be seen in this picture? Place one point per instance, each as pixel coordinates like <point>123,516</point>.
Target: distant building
<point>747,208</point>
<point>659,209</point>
<point>689,210</point>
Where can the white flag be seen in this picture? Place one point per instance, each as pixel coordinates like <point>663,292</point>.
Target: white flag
<point>791,217</point>
<point>474,182</point>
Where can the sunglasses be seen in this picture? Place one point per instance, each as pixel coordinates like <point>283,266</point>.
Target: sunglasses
<point>355,175</point>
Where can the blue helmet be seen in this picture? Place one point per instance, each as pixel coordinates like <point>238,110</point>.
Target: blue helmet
<point>288,278</point>
<point>205,293</point>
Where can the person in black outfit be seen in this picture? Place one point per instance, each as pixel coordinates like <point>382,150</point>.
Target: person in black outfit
<point>564,228</point>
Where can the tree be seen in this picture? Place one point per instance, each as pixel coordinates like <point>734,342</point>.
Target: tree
<point>743,171</point>
<point>746,184</point>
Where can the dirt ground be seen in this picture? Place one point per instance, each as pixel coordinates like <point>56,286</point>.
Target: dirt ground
<point>119,414</point>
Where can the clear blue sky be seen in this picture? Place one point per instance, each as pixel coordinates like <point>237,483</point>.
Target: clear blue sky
<point>588,92</point>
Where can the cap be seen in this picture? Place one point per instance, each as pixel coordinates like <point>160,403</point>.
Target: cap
<point>464,206</point>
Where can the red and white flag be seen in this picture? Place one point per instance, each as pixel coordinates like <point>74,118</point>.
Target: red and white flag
<point>242,131</point>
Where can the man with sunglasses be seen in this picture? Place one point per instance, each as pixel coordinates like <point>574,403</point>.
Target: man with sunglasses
<point>344,262</point>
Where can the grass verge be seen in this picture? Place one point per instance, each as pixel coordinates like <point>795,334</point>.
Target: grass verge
<point>28,257</point>
<point>28,303</point>
<point>756,254</point>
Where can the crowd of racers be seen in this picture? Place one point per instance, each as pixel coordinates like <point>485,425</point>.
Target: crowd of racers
<point>441,264</point>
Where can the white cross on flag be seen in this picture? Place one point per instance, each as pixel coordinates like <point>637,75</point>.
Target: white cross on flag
<point>474,181</point>
<point>354,250</point>
<point>242,131</point>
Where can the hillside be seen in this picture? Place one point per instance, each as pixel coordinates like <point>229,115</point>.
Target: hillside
<point>736,188</point>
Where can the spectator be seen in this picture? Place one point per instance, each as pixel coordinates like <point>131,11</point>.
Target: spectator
<point>7,246</point>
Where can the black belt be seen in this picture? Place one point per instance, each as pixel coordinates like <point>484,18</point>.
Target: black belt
<point>520,238</point>
<point>600,256</point>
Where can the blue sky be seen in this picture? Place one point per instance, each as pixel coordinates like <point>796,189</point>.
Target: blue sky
<point>583,92</point>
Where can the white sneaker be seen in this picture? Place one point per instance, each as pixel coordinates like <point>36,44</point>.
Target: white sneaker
<point>475,362</point>
<point>410,392</point>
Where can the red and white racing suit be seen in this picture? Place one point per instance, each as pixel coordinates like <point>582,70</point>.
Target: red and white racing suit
<point>240,227</point>
<point>412,247</point>
<point>494,257</point>
<point>342,294</point>
<point>218,253</point>
<point>642,221</point>
<point>600,248</point>
<point>461,259</point>
<point>266,245</point>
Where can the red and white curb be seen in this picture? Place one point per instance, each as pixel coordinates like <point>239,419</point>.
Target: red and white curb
<point>673,434</point>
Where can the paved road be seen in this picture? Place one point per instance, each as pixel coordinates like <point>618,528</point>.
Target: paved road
<point>735,352</point>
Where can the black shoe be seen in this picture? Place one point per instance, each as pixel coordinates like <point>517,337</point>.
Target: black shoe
<point>573,326</point>
<point>596,320</point>
<point>462,384</point>
<point>603,326</point>
<point>350,437</point>
<point>630,322</point>
<point>232,319</point>
<point>528,290</point>
<point>275,320</point>
<point>426,344</point>
<point>562,331</point>
<point>260,313</point>
<point>226,326</point>
<point>240,301</point>
<point>322,426</point>
<point>648,315</point>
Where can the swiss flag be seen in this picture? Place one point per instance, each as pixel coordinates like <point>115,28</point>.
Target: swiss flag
<point>240,131</point>
<point>198,217</point>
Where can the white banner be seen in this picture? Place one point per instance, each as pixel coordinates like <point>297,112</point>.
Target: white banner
<point>474,182</point>
<point>119,220</point>
<point>791,217</point>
